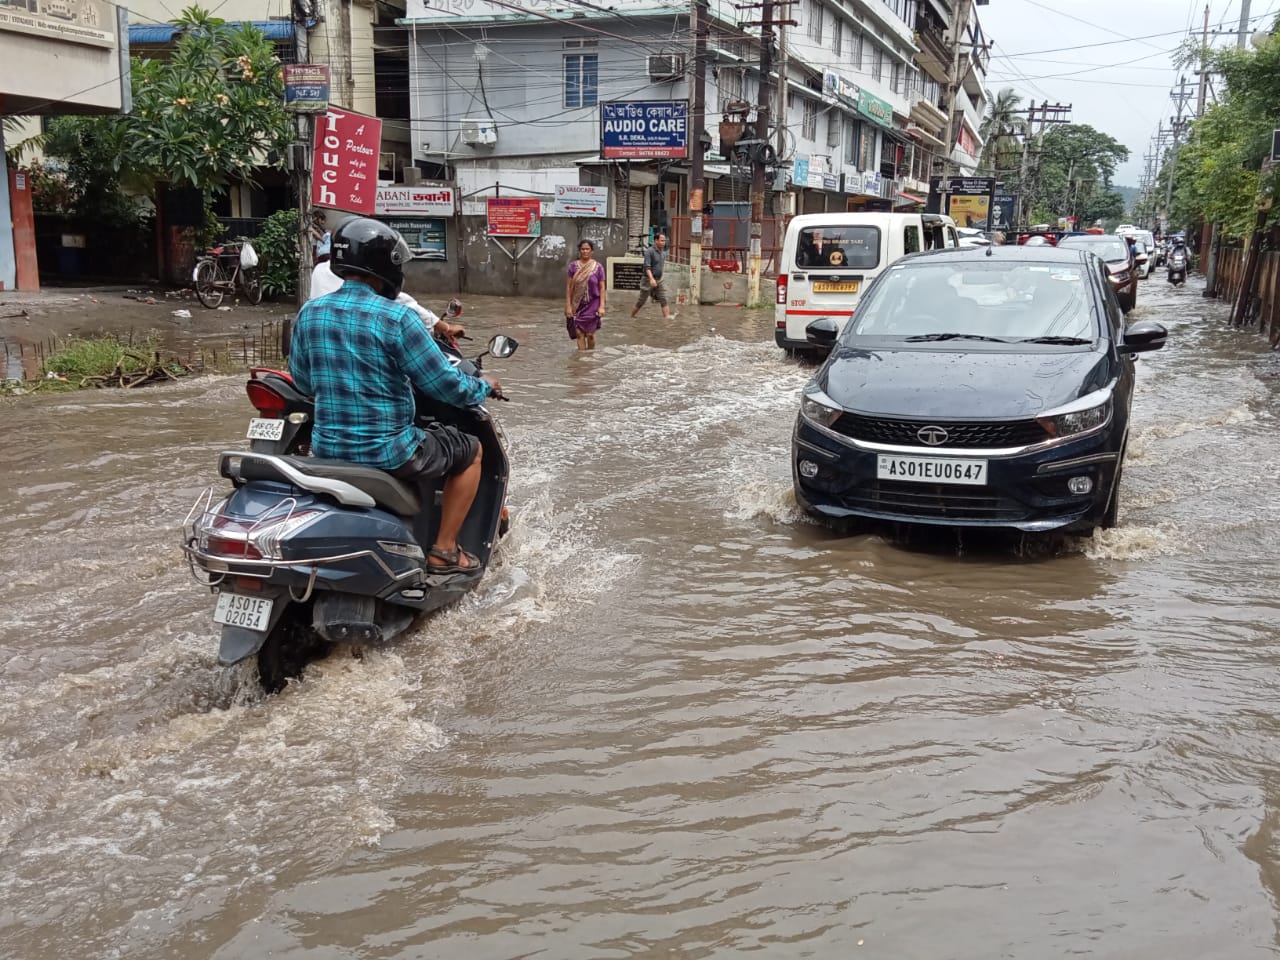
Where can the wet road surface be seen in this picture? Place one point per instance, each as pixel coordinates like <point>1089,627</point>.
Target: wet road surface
<point>677,720</point>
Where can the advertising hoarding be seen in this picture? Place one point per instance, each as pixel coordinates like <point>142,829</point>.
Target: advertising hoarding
<point>514,217</point>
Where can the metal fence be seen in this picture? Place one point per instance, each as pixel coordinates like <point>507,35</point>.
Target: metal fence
<point>729,239</point>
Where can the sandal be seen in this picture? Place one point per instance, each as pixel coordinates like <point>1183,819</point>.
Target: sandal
<point>453,561</point>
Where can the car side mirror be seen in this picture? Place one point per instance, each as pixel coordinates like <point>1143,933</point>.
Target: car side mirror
<point>1143,336</point>
<point>502,346</point>
<point>822,332</point>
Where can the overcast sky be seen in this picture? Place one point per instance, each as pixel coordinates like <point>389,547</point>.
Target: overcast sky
<point>1104,58</point>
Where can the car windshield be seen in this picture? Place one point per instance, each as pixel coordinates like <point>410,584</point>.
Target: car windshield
<point>1006,301</point>
<point>1105,247</point>
<point>841,247</point>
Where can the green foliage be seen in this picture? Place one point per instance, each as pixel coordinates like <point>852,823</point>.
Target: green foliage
<point>89,184</point>
<point>1000,130</point>
<point>98,356</point>
<point>277,247</point>
<point>1072,174</point>
<point>1218,175</point>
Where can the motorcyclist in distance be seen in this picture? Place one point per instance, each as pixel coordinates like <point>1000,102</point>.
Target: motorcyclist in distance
<point>360,354</point>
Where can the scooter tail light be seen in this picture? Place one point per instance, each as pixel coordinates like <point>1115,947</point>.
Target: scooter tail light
<point>265,400</point>
<point>782,289</point>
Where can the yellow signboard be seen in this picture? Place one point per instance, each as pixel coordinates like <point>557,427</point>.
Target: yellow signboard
<point>970,210</point>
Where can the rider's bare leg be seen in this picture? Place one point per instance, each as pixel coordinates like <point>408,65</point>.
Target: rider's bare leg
<point>459,494</point>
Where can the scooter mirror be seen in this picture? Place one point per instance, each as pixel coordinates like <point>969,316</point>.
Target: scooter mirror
<point>502,346</point>
<point>453,309</point>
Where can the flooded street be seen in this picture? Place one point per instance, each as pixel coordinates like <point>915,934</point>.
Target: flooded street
<point>678,720</point>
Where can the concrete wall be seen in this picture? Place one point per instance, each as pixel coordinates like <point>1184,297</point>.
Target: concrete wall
<point>482,265</point>
<point>8,256</point>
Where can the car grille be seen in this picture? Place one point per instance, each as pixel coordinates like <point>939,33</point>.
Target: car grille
<point>960,433</point>
<point>933,500</point>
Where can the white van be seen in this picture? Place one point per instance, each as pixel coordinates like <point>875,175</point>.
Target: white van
<point>828,259</point>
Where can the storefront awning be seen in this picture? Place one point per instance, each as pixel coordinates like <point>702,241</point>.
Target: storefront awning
<point>157,34</point>
<point>910,196</point>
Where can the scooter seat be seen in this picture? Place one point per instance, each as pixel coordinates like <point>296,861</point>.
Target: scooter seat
<point>389,493</point>
<point>386,491</point>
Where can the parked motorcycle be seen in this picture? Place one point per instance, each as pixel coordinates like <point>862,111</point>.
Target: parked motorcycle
<point>306,552</point>
<point>1176,269</point>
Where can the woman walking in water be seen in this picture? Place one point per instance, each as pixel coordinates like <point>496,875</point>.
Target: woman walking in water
<point>584,296</point>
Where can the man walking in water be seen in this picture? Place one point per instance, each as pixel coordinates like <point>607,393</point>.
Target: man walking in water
<point>655,259</point>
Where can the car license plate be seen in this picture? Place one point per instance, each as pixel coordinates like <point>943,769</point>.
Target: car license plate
<point>262,428</point>
<point>238,610</point>
<point>827,286</point>
<point>931,470</point>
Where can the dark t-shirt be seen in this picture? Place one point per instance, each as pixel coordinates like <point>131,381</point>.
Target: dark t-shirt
<point>655,260</point>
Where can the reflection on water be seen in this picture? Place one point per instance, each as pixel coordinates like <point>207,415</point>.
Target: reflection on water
<point>678,718</point>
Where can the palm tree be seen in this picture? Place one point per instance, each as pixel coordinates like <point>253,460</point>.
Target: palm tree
<point>19,140</point>
<point>1000,129</point>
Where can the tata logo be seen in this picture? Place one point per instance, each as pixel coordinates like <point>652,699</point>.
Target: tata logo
<point>931,435</point>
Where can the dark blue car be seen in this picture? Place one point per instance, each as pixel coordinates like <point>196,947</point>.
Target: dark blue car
<point>974,387</point>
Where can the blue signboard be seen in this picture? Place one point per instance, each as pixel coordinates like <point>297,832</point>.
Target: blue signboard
<point>644,129</point>
<point>306,87</point>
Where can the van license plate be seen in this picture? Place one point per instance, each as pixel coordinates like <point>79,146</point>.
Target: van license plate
<point>263,428</point>
<point>238,610</point>
<point>827,286</point>
<point>931,470</point>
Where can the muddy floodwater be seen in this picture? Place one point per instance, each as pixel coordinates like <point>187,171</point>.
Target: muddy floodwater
<point>677,720</point>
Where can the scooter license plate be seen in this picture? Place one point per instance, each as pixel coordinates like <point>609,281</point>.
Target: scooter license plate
<point>238,610</point>
<point>263,428</point>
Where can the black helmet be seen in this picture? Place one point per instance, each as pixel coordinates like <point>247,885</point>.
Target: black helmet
<point>369,248</point>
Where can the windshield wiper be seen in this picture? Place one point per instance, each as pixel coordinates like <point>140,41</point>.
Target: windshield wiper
<point>1064,341</point>
<point>952,336</point>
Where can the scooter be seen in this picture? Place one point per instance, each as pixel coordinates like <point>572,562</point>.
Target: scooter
<point>1177,268</point>
<point>305,552</point>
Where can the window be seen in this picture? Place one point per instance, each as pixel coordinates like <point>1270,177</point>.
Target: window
<point>837,37</point>
<point>852,247</point>
<point>581,79</point>
<point>895,78</point>
<point>855,48</point>
<point>911,239</point>
<point>815,20</point>
<point>852,129</point>
<point>809,122</point>
<point>867,149</point>
<point>877,65</point>
<point>730,85</point>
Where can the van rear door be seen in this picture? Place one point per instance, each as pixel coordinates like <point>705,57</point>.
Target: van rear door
<point>832,265</point>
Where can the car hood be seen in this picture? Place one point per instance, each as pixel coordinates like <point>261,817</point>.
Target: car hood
<point>949,384</point>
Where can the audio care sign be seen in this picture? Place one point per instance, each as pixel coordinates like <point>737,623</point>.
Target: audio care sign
<point>644,129</point>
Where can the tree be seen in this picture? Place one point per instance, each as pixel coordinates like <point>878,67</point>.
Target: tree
<point>204,118</point>
<point>1000,129</point>
<point>1074,167</point>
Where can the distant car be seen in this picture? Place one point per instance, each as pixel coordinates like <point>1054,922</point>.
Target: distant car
<point>984,388</point>
<point>972,237</point>
<point>1122,268</point>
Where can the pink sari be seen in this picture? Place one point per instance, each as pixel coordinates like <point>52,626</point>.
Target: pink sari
<point>584,297</point>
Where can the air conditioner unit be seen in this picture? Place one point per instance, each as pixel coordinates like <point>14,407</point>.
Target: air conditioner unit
<point>479,133</point>
<point>666,67</point>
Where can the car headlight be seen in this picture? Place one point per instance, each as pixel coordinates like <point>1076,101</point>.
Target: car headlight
<point>817,407</point>
<point>1073,422</point>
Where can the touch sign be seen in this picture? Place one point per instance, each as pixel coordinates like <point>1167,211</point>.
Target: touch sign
<point>346,161</point>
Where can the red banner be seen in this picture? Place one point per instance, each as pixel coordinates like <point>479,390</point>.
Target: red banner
<point>344,171</point>
<point>514,217</point>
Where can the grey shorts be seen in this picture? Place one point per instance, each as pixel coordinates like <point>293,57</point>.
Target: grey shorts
<point>659,293</point>
<point>444,452</point>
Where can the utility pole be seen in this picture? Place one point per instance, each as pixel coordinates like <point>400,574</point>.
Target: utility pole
<point>300,158</point>
<point>959,21</point>
<point>1244,24</point>
<point>697,175</point>
<point>1204,64</point>
<point>758,179</point>
<point>1180,98</point>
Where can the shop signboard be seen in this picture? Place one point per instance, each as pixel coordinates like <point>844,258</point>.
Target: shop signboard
<point>426,237</point>
<point>514,217</point>
<point>644,129</point>
<point>800,171</point>
<point>306,87</point>
<point>839,87</point>
<point>345,174</point>
<point>90,22</point>
<point>881,111</point>
<point>969,201</point>
<point>576,200</point>
<point>418,200</point>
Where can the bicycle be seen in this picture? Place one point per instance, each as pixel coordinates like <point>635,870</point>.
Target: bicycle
<point>219,272</point>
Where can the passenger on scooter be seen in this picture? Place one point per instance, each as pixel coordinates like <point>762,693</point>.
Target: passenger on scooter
<point>361,354</point>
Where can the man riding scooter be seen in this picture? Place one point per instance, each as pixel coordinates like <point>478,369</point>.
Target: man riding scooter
<point>361,354</point>
<point>1176,265</point>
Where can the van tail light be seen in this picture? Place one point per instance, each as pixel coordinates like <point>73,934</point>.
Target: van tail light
<point>782,289</point>
<point>265,400</point>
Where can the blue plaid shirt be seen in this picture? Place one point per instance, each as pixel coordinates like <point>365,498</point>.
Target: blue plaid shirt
<point>357,353</point>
